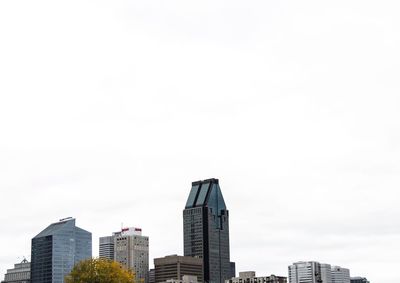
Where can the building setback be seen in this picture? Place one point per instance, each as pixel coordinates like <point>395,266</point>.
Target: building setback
<point>175,267</point>
<point>21,273</point>
<point>206,230</point>
<point>250,277</point>
<point>57,249</point>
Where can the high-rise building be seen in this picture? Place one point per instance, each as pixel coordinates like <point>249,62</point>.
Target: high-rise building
<point>57,249</point>
<point>129,248</point>
<point>305,272</point>
<point>175,267</point>
<point>132,250</point>
<point>340,274</point>
<point>206,230</point>
<point>21,273</point>
<point>326,273</point>
<point>106,247</point>
<point>250,277</point>
<point>359,280</point>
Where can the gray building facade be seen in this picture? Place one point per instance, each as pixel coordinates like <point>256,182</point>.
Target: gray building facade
<point>21,273</point>
<point>250,277</point>
<point>359,280</point>
<point>206,230</point>
<point>57,249</point>
<point>175,267</point>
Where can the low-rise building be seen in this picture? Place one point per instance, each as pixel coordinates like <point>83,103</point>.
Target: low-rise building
<point>21,273</point>
<point>185,279</point>
<point>175,267</point>
<point>359,280</point>
<point>250,277</point>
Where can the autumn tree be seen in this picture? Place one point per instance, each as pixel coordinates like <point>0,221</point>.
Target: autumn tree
<point>99,271</point>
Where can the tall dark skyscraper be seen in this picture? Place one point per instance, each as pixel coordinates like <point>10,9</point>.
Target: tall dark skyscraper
<point>206,230</point>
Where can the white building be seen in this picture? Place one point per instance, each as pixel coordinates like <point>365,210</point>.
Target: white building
<point>305,272</point>
<point>315,272</point>
<point>326,273</point>
<point>250,277</point>
<point>129,248</point>
<point>340,274</point>
<point>21,273</point>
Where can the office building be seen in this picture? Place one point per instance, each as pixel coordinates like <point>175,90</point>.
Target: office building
<point>152,275</point>
<point>340,274</point>
<point>326,273</point>
<point>359,280</point>
<point>250,277</point>
<point>233,270</point>
<point>175,267</point>
<point>206,230</point>
<point>57,249</point>
<point>305,272</point>
<point>21,273</point>
<point>131,249</point>
<point>185,279</point>
<point>106,247</point>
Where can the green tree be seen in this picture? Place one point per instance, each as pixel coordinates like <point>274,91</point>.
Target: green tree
<point>99,271</point>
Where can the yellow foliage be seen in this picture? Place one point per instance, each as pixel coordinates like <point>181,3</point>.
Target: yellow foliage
<point>100,271</point>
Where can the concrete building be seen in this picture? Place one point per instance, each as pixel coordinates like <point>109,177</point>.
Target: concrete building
<point>21,273</point>
<point>131,249</point>
<point>326,273</point>
<point>175,267</point>
<point>57,249</point>
<point>340,274</point>
<point>206,230</point>
<point>185,279</point>
<point>250,277</point>
<point>305,272</point>
<point>358,280</point>
<point>106,247</point>
<point>152,275</point>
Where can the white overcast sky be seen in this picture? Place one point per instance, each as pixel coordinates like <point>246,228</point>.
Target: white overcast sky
<point>110,109</point>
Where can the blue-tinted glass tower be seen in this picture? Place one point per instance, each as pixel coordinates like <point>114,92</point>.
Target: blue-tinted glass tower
<point>206,230</point>
<point>57,249</point>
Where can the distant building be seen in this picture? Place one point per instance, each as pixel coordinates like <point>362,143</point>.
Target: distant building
<point>129,248</point>
<point>233,270</point>
<point>175,267</point>
<point>250,277</point>
<point>185,279</point>
<point>326,273</point>
<point>152,276</point>
<point>359,280</point>
<point>106,247</point>
<point>340,274</point>
<point>315,272</point>
<point>57,249</point>
<point>206,230</point>
<point>21,273</point>
<point>305,272</point>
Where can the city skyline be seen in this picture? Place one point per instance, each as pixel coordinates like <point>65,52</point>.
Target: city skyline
<point>110,109</point>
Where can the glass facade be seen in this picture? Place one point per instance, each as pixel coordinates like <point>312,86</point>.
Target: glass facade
<point>57,249</point>
<point>206,230</point>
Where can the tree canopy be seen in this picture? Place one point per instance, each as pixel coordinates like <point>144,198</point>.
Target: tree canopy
<point>99,271</point>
